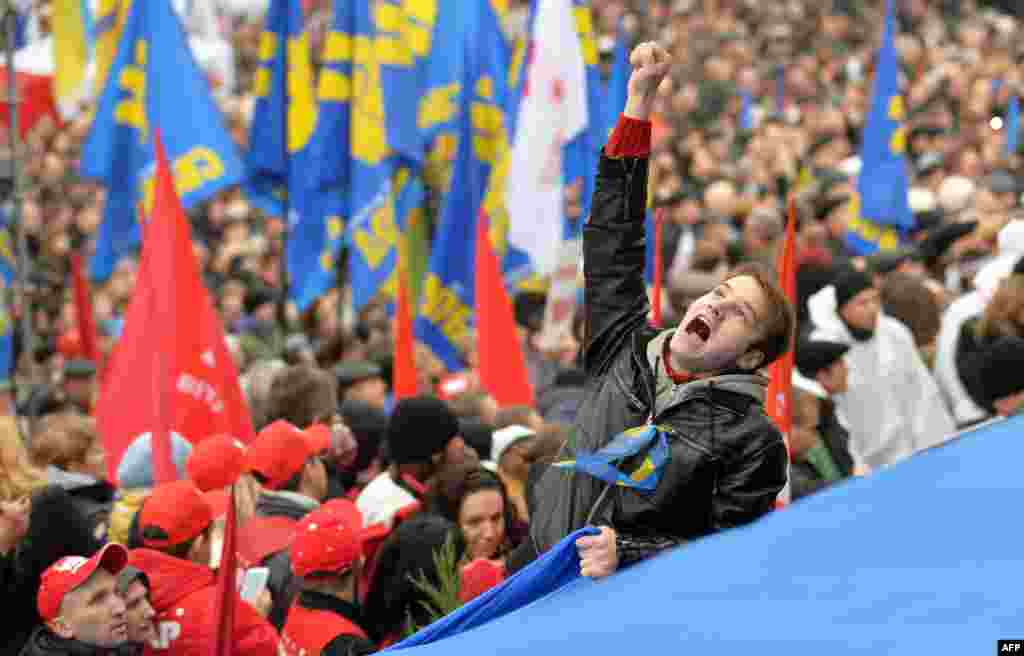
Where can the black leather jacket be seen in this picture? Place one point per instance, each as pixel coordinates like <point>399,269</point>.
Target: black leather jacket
<point>727,462</point>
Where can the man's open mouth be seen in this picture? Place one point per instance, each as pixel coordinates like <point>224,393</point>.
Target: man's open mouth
<point>699,327</point>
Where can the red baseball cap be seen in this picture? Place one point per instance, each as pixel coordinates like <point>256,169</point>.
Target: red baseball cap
<point>279,452</point>
<point>179,509</point>
<point>216,462</point>
<point>329,539</point>
<point>319,437</point>
<point>70,572</point>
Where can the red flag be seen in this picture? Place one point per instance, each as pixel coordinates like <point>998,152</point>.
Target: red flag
<point>659,219</point>
<point>226,594</point>
<point>780,374</point>
<point>502,364</point>
<point>405,356</point>
<point>35,102</point>
<point>86,320</point>
<point>171,369</point>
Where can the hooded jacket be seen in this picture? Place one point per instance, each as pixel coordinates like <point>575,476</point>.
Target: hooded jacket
<point>892,405</point>
<point>727,460</point>
<point>184,596</point>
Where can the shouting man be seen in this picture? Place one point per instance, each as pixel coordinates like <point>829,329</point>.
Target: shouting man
<point>705,457</point>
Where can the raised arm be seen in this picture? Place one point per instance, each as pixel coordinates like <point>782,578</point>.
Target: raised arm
<point>613,239</point>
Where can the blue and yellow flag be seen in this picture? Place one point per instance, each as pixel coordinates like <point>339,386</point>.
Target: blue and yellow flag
<point>285,113</point>
<point>446,308</point>
<point>375,113</point>
<point>106,33</point>
<point>646,444</point>
<point>72,51</point>
<point>881,216</point>
<point>8,266</point>
<point>152,78</point>
<point>1012,125</point>
<point>287,139</point>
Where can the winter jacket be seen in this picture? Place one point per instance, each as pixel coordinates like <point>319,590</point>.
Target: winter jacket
<point>727,461</point>
<point>45,643</point>
<point>965,410</point>
<point>184,596</point>
<point>282,583</point>
<point>892,405</point>
<point>56,529</point>
<point>93,499</point>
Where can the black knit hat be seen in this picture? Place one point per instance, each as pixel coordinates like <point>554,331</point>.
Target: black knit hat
<point>419,428</point>
<point>813,356</point>
<point>478,435</point>
<point>369,425</point>
<point>999,368</point>
<point>849,284</point>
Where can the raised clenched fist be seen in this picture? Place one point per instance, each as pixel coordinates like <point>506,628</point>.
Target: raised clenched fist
<point>650,64</point>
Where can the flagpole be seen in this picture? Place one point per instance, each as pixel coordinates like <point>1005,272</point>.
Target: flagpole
<point>10,21</point>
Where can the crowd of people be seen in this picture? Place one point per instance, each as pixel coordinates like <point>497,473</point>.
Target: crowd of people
<point>369,518</point>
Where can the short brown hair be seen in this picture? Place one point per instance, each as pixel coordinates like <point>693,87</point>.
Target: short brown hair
<point>302,395</point>
<point>63,440</point>
<point>780,324</point>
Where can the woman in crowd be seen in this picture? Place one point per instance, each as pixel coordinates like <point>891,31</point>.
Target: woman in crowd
<point>474,498</point>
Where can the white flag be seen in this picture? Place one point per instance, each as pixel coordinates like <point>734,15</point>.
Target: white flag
<point>552,112</point>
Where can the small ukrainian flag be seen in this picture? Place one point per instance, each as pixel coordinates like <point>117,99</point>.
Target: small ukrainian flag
<point>650,440</point>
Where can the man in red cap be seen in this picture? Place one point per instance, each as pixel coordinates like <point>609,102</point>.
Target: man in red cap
<point>81,611</point>
<point>175,524</point>
<point>288,463</point>
<point>327,555</point>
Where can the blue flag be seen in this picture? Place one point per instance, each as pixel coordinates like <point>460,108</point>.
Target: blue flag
<point>580,156</point>
<point>286,141</point>
<point>884,208</point>
<point>444,321</point>
<point>152,79</point>
<point>1012,125</point>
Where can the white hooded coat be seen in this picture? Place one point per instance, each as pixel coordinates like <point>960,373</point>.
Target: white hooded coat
<point>1010,245</point>
<point>892,406</point>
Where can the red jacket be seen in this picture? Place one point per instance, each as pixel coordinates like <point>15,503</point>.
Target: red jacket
<point>184,596</point>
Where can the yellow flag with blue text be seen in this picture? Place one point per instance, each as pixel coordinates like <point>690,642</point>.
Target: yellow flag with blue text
<point>880,216</point>
<point>445,317</point>
<point>154,83</point>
